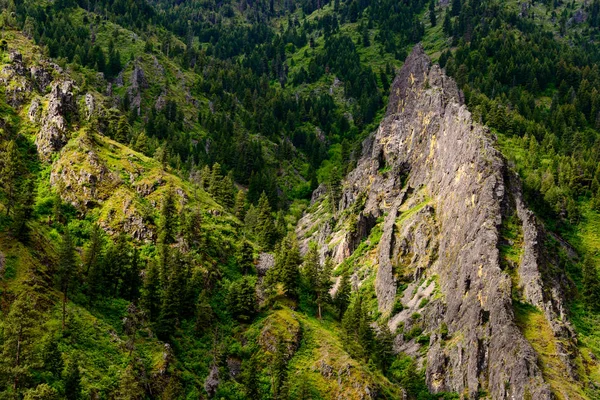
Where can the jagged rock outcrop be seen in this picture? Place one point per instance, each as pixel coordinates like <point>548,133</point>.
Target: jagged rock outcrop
<point>443,191</point>
<point>81,177</point>
<point>15,80</point>
<point>52,136</point>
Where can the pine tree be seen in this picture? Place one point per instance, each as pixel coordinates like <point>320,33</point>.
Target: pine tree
<point>116,262</point>
<point>204,314</point>
<point>72,381</point>
<point>591,284</point>
<point>151,292</point>
<point>279,371</point>
<point>334,188</point>
<point>342,295</point>
<point>447,26</point>
<point>246,258</point>
<point>131,324</point>
<point>171,306</point>
<point>192,228</point>
<point>265,229</point>
<point>250,378</point>
<point>24,210</point>
<point>18,357</point>
<point>239,208</point>
<point>215,180</point>
<point>456,7</point>
<point>286,270</point>
<point>242,298</point>
<point>133,280</point>
<point>384,347</point>
<point>93,262</point>
<point>168,220</point>
<point>10,171</point>
<point>53,361</point>
<point>67,268</point>
<point>323,285</point>
<point>432,17</point>
<point>130,387</point>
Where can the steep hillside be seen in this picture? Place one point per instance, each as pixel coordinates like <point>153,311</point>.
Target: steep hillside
<point>269,200</point>
<point>423,226</point>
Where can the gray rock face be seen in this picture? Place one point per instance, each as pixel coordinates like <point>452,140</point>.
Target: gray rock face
<point>53,133</point>
<point>212,381</point>
<point>444,191</point>
<point>15,80</point>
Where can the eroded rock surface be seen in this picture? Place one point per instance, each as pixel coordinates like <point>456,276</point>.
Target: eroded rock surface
<point>53,133</point>
<point>442,191</point>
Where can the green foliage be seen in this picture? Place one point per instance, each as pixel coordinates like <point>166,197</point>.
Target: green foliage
<point>342,295</point>
<point>286,270</point>
<point>169,220</point>
<point>591,284</point>
<point>19,356</point>
<point>72,381</point>
<point>241,298</point>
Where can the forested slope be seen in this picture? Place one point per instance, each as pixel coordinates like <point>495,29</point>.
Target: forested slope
<point>163,164</point>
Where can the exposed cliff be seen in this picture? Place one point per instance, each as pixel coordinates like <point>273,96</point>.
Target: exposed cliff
<point>442,195</point>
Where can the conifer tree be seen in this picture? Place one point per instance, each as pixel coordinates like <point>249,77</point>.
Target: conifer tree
<point>72,381</point>
<point>239,208</point>
<point>18,357</point>
<point>151,292</point>
<point>591,284</point>
<point>342,295</point>
<point>193,228</point>
<point>265,229</point>
<point>323,285</point>
<point>215,181</point>
<point>93,262</point>
<point>242,298</point>
<point>129,386</point>
<point>286,270</point>
<point>432,17</point>
<point>384,347</point>
<point>168,221</point>
<point>24,210</point>
<point>171,307</point>
<point>53,361</point>
<point>67,269</point>
<point>246,258</point>
<point>10,170</point>
<point>116,262</point>
<point>204,314</point>
<point>250,379</point>
<point>447,26</point>
<point>279,371</point>
<point>133,280</point>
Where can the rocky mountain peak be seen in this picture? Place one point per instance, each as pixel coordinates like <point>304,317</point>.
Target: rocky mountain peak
<point>444,193</point>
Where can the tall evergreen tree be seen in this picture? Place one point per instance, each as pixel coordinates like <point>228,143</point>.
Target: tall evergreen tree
<point>18,357</point>
<point>342,295</point>
<point>286,270</point>
<point>432,17</point>
<point>151,293</point>
<point>72,381</point>
<point>239,208</point>
<point>10,172</point>
<point>171,306</point>
<point>168,220</point>
<point>193,228</point>
<point>265,229</point>
<point>591,284</point>
<point>23,211</point>
<point>67,269</point>
<point>246,258</point>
